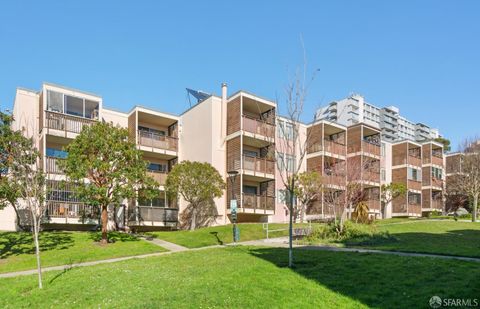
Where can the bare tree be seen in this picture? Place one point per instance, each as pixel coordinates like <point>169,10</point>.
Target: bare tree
<point>27,174</point>
<point>290,154</point>
<point>468,180</point>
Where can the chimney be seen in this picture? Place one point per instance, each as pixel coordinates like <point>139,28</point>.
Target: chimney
<point>224,92</point>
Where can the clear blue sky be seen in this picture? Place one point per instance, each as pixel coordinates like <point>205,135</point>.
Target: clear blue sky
<point>422,56</point>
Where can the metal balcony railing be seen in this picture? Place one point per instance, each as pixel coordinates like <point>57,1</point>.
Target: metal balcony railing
<point>65,122</point>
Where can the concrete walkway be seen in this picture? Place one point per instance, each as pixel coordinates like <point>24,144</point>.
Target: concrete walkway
<point>167,245</point>
<point>282,242</point>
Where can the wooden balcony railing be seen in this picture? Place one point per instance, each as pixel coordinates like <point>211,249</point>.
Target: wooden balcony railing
<point>414,185</point>
<point>407,209</point>
<point>437,182</point>
<point>333,147</point>
<point>145,214</point>
<point>373,205</point>
<point>160,177</point>
<point>437,160</point>
<point>334,179</point>
<point>261,202</point>
<point>372,176</point>
<point>56,209</point>
<point>412,160</point>
<point>65,122</point>
<point>370,148</point>
<point>51,165</point>
<point>155,140</point>
<point>261,165</point>
<point>436,204</point>
<point>257,126</point>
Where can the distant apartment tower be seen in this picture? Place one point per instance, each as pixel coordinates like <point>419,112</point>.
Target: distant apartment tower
<point>394,127</point>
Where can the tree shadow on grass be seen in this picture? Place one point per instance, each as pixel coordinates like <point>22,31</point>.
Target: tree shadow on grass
<point>17,243</point>
<point>113,237</point>
<point>381,281</point>
<point>215,234</point>
<point>454,242</point>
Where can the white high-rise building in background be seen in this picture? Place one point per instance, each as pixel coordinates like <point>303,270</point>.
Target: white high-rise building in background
<point>355,109</point>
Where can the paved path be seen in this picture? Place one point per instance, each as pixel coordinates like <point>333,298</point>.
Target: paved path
<point>167,245</point>
<point>282,242</point>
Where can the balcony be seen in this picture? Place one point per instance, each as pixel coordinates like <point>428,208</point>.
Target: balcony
<point>370,148</point>
<point>373,205</point>
<point>414,185</point>
<point>437,182</point>
<point>258,165</point>
<point>328,146</point>
<point>436,204</point>
<point>52,165</point>
<point>262,203</point>
<point>71,210</point>
<point>371,176</point>
<point>159,141</point>
<point>413,160</point>
<point>160,177</point>
<point>407,209</point>
<point>437,158</point>
<point>147,215</point>
<point>334,179</point>
<point>258,127</point>
<point>65,123</point>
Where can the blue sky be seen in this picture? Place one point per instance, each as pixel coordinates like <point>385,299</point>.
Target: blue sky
<point>422,56</point>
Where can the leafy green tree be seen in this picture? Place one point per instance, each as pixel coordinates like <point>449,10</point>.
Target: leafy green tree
<point>308,188</point>
<point>391,191</point>
<point>445,142</point>
<point>13,145</point>
<point>197,183</point>
<point>106,167</point>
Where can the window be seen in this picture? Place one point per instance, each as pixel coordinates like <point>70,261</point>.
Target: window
<point>281,196</point>
<point>158,201</point>
<point>414,174</point>
<point>436,173</point>
<point>382,150</point>
<point>60,103</point>
<point>158,167</point>
<point>413,198</point>
<point>151,131</point>
<point>289,131</point>
<point>290,163</point>
<point>56,153</point>
<point>250,153</point>
<point>280,129</point>
<point>54,101</point>
<point>281,161</point>
<point>382,174</point>
<point>74,106</point>
<point>250,190</point>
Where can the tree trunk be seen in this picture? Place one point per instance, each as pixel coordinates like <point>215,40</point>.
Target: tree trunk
<point>104,224</point>
<point>37,250</point>
<point>17,214</point>
<point>290,229</point>
<point>474,208</point>
<point>194,219</point>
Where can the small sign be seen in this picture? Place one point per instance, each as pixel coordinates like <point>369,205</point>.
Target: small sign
<point>233,205</point>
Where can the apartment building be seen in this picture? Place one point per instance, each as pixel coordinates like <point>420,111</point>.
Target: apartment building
<point>243,137</point>
<point>394,127</point>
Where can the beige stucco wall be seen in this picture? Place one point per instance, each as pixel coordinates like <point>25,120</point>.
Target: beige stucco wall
<point>117,118</point>
<point>202,140</point>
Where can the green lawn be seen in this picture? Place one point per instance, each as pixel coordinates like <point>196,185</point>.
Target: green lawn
<point>439,237</point>
<point>220,235</point>
<point>58,248</point>
<point>255,277</point>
